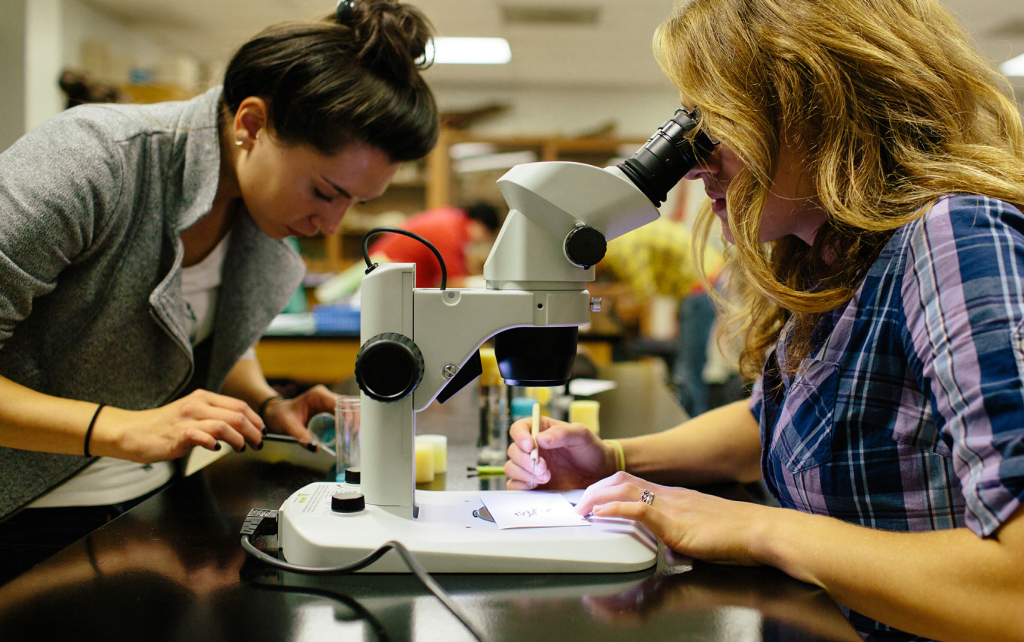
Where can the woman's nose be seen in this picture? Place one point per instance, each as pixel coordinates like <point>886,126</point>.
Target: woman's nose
<point>331,219</point>
<point>707,165</point>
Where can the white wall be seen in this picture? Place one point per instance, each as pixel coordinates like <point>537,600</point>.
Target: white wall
<point>43,60</point>
<point>82,24</point>
<point>567,111</point>
<point>12,71</point>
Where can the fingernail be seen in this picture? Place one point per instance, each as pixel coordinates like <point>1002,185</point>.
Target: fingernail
<point>525,445</point>
<point>216,446</point>
<point>259,446</point>
<point>311,448</point>
<point>545,438</point>
<point>243,449</point>
<point>264,431</point>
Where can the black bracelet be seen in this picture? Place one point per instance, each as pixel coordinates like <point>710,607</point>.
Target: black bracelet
<point>92,424</point>
<point>263,406</point>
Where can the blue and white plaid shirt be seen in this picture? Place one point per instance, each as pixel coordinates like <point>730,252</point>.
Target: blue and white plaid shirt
<point>910,415</point>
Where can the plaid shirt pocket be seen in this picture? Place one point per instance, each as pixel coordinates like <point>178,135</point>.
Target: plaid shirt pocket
<point>803,432</point>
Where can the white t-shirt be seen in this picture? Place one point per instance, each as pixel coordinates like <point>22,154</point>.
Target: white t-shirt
<point>112,481</point>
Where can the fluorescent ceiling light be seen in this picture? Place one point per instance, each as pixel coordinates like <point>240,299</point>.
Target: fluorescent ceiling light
<point>469,51</point>
<point>1013,66</point>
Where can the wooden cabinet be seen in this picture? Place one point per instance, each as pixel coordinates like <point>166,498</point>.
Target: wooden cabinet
<point>449,176</point>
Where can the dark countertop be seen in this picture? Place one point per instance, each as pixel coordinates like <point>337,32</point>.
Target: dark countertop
<point>172,569</point>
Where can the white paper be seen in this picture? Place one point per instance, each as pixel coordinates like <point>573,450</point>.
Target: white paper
<point>530,509</point>
<point>588,387</point>
<point>200,457</point>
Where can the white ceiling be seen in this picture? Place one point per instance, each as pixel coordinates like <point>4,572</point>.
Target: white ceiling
<point>615,52</point>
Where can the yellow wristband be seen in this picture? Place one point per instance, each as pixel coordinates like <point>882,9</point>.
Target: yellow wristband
<point>620,457</point>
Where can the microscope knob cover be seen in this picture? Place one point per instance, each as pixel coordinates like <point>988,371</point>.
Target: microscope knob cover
<point>585,246</point>
<point>389,367</point>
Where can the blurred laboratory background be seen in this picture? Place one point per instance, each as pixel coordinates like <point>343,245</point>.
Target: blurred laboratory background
<point>570,80</point>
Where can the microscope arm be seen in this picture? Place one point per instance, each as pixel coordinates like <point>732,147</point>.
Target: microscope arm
<point>451,325</point>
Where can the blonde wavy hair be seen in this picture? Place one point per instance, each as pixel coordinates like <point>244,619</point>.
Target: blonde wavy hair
<point>889,107</point>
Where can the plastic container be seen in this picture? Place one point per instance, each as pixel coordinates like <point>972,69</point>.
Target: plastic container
<point>347,422</point>
<point>586,412</point>
<point>522,408</point>
<point>492,441</point>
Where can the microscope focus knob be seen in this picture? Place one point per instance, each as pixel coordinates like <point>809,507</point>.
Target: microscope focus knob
<point>585,246</point>
<point>389,367</point>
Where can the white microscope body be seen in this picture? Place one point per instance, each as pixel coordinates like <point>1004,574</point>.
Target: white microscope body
<point>422,344</point>
<point>530,283</point>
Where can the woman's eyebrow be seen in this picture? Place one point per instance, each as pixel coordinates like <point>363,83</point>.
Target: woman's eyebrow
<point>341,190</point>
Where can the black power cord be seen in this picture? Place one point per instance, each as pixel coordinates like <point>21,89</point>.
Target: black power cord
<point>262,521</point>
<point>361,612</point>
<point>366,251</point>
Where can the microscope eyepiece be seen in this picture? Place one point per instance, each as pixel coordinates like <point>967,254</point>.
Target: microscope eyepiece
<point>668,155</point>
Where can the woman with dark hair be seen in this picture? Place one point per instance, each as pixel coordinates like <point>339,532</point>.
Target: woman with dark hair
<point>870,178</point>
<point>141,252</point>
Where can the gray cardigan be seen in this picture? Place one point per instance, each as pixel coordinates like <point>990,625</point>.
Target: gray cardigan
<point>92,205</point>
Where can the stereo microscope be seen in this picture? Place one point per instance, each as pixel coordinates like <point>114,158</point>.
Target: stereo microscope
<point>421,344</point>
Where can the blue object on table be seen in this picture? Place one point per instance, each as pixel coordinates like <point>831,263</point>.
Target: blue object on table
<point>522,408</point>
<point>337,318</point>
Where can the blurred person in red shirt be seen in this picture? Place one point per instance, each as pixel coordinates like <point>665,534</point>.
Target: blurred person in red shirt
<point>461,235</point>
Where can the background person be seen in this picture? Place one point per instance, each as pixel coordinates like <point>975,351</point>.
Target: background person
<point>871,179</point>
<point>457,233</point>
<point>462,235</point>
<point>141,258</point>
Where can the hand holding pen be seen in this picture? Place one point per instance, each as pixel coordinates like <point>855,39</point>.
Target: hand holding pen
<point>574,457</point>
<point>311,446</point>
<point>535,453</point>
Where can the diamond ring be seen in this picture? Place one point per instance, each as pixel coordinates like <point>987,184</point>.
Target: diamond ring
<point>647,497</point>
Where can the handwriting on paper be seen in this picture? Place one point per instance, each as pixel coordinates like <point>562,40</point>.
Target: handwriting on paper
<point>530,509</point>
<point>533,512</point>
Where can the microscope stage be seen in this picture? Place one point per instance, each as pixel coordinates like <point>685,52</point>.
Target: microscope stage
<point>447,537</point>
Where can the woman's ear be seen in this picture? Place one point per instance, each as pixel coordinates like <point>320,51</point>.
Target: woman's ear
<point>250,121</point>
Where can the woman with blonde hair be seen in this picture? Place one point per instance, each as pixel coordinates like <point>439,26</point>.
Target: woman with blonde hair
<point>870,177</point>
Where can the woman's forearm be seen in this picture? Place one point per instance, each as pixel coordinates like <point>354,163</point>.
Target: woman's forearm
<point>718,446</point>
<point>31,420</point>
<point>245,381</point>
<point>948,585</point>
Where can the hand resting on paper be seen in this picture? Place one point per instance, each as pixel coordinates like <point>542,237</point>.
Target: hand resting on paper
<point>702,526</point>
<point>571,456</point>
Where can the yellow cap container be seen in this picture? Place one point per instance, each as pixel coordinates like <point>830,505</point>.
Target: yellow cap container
<point>543,397</point>
<point>586,412</point>
<point>424,463</point>
<point>490,376</point>
<point>440,445</point>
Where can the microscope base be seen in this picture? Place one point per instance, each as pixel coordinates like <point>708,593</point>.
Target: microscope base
<point>447,538</point>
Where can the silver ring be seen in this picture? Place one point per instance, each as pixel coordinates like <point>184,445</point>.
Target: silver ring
<point>647,497</point>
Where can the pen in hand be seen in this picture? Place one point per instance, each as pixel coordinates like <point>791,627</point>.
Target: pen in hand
<point>310,446</point>
<point>534,429</point>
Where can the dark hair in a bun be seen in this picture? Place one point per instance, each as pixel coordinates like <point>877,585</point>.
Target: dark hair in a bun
<point>329,83</point>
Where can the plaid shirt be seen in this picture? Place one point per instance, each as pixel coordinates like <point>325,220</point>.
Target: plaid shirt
<point>910,414</point>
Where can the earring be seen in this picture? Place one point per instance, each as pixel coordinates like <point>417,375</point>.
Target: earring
<point>257,136</point>
<point>238,140</point>
<point>344,11</point>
